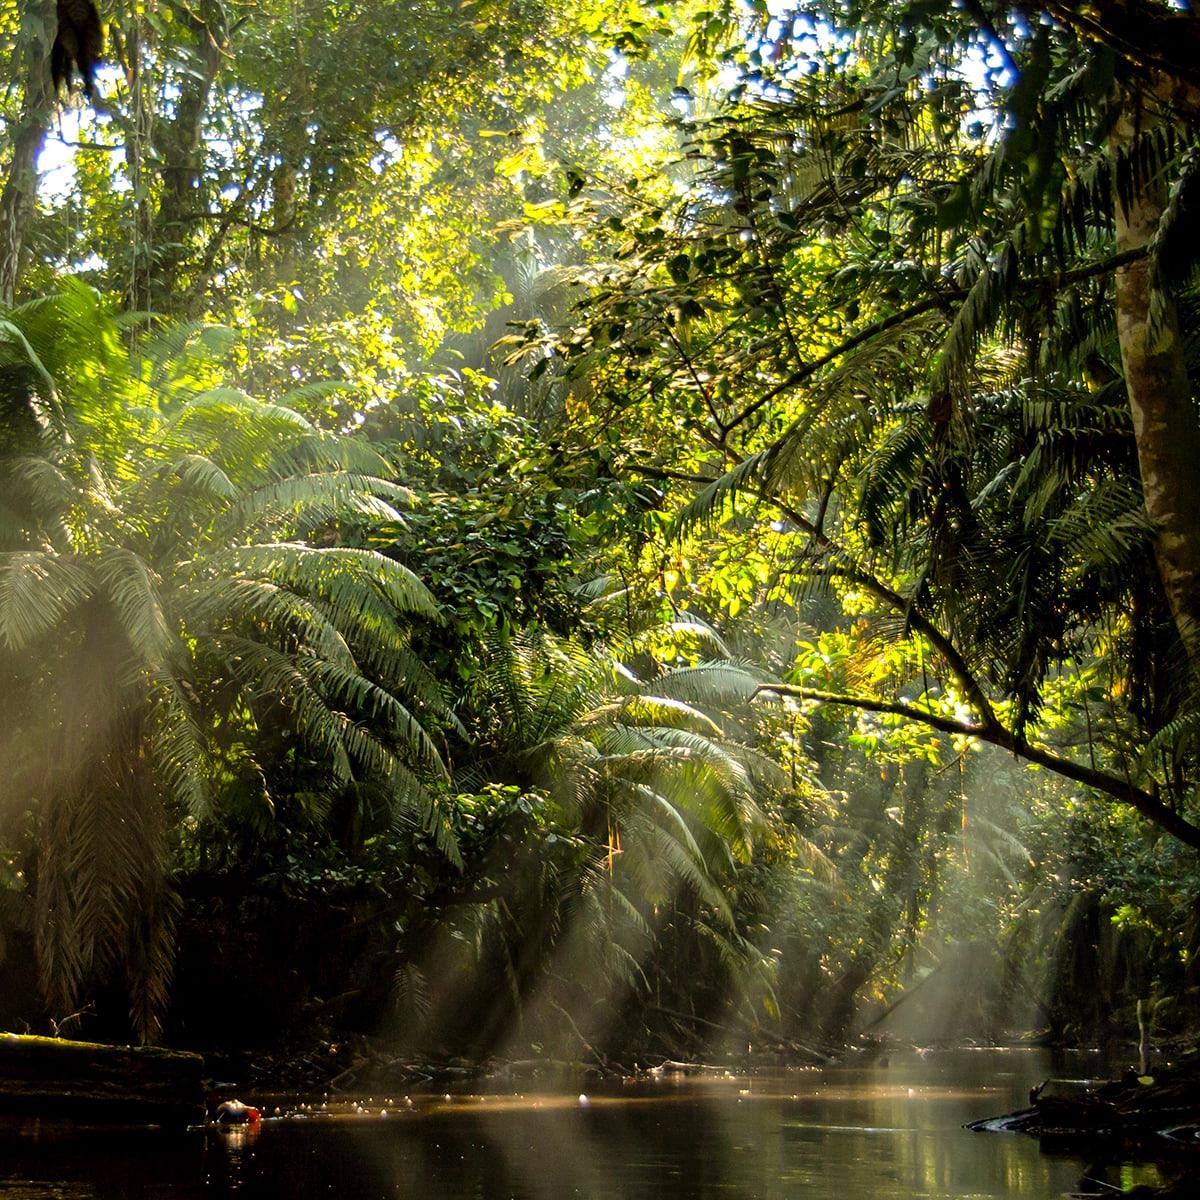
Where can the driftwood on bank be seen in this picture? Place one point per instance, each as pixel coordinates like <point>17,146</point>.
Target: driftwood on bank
<point>1150,1118</point>
<point>1159,1112</point>
<point>53,1077</point>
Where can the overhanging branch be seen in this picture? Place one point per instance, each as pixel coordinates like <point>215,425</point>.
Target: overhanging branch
<point>942,300</point>
<point>996,734</point>
<point>841,564</point>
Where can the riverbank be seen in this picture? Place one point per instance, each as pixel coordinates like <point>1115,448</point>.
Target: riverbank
<point>57,1077</point>
<point>1148,1118</point>
<point>361,1063</point>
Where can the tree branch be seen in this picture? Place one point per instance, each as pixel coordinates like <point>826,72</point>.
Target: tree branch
<point>996,734</point>
<point>1059,279</point>
<point>1166,41</point>
<point>809,369</point>
<point>845,567</point>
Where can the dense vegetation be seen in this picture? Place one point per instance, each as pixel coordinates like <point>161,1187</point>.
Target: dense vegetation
<point>599,529</point>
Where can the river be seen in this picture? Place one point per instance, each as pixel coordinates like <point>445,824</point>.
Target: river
<point>883,1132</point>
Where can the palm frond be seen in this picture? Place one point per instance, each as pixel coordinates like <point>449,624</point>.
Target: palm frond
<point>150,959</point>
<point>305,502</point>
<point>666,852</point>
<point>714,502</point>
<point>381,707</point>
<point>177,746</point>
<point>42,394</point>
<point>270,677</point>
<point>358,585</point>
<point>41,492</point>
<point>713,683</point>
<point>38,591</point>
<point>410,990</point>
<point>242,435</point>
<point>697,630</point>
<point>211,603</point>
<point>641,710</point>
<point>992,282</point>
<point>891,470</point>
<point>134,590</point>
<point>196,474</point>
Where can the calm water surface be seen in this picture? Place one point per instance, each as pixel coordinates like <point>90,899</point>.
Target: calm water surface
<point>879,1133</point>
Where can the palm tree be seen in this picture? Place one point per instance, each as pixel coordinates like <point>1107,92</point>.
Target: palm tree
<point>171,590</point>
<point>648,806</point>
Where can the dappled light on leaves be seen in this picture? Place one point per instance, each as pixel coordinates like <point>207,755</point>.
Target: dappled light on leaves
<point>600,532</point>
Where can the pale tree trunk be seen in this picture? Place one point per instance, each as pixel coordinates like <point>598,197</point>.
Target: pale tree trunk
<point>1164,410</point>
<point>19,195</point>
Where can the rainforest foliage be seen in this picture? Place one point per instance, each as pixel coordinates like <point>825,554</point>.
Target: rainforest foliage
<point>600,529</point>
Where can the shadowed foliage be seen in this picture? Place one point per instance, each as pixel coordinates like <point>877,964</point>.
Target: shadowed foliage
<point>159,617</point>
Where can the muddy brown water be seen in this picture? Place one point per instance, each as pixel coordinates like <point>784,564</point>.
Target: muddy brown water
<point>878,1132</point>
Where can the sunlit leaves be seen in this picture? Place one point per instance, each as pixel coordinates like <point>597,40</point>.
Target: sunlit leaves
<point>37,591</point>
<point>169,599</point>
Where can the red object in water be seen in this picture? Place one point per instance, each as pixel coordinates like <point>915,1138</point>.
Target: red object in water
<point>234,1112</point>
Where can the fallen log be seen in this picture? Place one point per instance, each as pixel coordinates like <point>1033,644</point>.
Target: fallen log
<point>1135,1119</point>
<point>54,1077</point>
<point>1161,1113</point>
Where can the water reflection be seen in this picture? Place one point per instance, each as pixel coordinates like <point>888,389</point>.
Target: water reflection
<point>879,1133</point>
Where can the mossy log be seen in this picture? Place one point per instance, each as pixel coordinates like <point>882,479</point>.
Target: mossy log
<point>53,1077</point>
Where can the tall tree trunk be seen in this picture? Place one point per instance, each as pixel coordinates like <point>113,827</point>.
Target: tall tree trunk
<point>1165,421</point>
<point>135,120</point>
<point>180,150</point>
<point>19,195</point>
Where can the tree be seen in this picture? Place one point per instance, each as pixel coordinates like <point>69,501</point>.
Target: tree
<point>643,806</point>
<point>918,307</point>
<point>162,621</point>
<point>32,39</point>
<point>316,177</point>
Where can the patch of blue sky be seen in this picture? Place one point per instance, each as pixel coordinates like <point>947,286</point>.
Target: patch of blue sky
<point>74,130</point>
<point>796,39</point>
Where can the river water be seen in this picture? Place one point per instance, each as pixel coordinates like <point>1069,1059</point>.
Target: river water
<point>883,1132</point>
